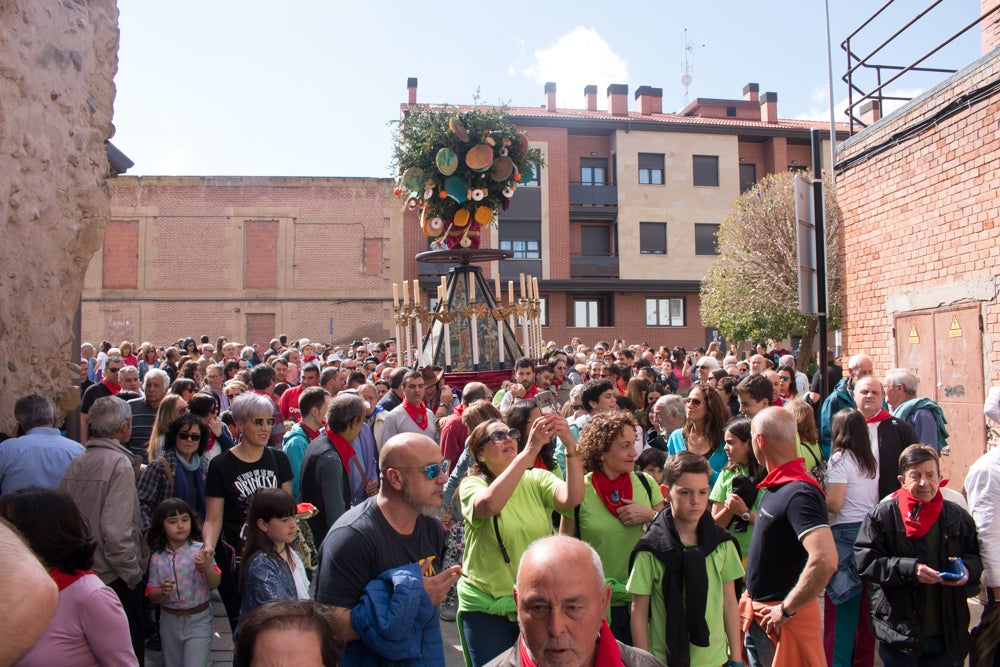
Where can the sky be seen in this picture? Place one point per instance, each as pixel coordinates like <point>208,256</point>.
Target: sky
<point>310,87</point>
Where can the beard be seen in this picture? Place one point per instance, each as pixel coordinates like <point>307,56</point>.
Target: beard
<point>426,510</point>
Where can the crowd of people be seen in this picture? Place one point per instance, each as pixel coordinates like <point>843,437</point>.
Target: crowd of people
<point>344,505</point>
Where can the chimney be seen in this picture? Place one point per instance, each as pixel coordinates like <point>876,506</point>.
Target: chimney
<point>750,92</point>
<point>550,96</point>
<point>990,27</point>
<point>618,99</point>
<point>769,108</point>
<point>590,95</point>
<point>411,88</point>
<point>871,112</point>
<point>649,100</point>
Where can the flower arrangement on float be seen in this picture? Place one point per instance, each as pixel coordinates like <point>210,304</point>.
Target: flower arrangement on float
<point>457,167</point>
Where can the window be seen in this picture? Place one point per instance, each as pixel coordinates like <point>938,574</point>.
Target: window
<point>593,171</point>
<point>595,240</point>
<point>592,311</point>
<point>651,168</point>
<point>730,112</point>
<point>653,238</point>
<point>706,170</point>
<point>543,308</point>
<point>748,177</point>
<point>665,312</point>
<point>535,180</point>
<point>522,249</point>
<point>705,239</point>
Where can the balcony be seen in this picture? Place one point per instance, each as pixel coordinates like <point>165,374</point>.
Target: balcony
<point>592,202</point>
<point>593,266</point>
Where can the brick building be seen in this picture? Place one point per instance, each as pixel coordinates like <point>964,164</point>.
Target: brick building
<point>248,258</point>
<point>620,225</point>
<point>920,235</point>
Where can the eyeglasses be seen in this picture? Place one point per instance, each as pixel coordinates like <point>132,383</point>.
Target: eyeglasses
<point>189,436</point>
<point>499,436</point>
<point>112,370</point>
<point>432,470</point>
<point>784,378</point>
<point>577,407</point>
<point>693,401</point>
<point>261,421</point>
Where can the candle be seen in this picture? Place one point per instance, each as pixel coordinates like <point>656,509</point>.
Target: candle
<point>534,288</point>
<point>395,295</point>
<point>522,287</point>
<point>416,292</point>
<point>406,293</point>
<point>510,292</point>
<point>440,297</point>
<point>444,288</point>
<point>496,286</point>
<point>472,290</point>
<point>447,347</point>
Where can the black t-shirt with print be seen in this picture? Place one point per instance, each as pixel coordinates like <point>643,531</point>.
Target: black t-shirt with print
<point>236,481</point>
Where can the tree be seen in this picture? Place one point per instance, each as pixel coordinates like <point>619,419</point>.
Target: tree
<point>751,292</point>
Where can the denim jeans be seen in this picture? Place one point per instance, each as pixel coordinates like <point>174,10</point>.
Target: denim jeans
<point>487,635</point>
<point>760,649</point>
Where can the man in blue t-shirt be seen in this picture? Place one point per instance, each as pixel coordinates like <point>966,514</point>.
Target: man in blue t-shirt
<point>792,553</point>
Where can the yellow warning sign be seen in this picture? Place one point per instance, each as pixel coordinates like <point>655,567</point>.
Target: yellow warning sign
<point>955,330</point>
<point>914,337</point>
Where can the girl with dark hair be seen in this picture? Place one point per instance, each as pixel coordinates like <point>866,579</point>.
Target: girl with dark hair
<point>180,577</point>
<point>89,626</point>
<point>521,416</point>
<point>704,429</point>
<point>851,493</point>
<point>786,376</point>
<point>205,407</point>
<point>180,472</point>
<point>231,368</point>
<point>735,492</point>
<point>268,564</point>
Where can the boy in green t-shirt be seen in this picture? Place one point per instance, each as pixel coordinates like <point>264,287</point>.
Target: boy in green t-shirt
<point>684,569</point>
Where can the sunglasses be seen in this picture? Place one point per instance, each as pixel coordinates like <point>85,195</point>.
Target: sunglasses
<point>432,470</point>
<point>112,370</point>
<point>784,378</point>
<point>261,421</point>
<point>693,401</point>
<point>499,436</point>
<point>189,436</point>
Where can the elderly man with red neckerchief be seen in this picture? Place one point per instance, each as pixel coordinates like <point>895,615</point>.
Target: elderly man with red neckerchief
<point>412,415</point>
<point>792,552</point>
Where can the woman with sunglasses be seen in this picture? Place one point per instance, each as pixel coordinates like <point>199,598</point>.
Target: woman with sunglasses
<point>179,472</point>
<point>171,407</point>
<point>233,478</point>
<point>507,504</point>
<point>786,375</point>
<point>704,429</point>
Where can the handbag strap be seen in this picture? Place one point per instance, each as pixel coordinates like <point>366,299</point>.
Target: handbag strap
<point>166,469</point>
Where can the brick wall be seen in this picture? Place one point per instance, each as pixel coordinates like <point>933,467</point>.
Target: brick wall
<point>120,256</point>
<point>260,254</point>
<point>990,28</point>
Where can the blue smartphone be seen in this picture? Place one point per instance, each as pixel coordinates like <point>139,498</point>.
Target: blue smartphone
<point>956,570</point>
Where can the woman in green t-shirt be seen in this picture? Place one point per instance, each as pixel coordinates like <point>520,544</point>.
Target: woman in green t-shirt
<point>618,504</point>
<point>731,509</point>
<point>507,505</point>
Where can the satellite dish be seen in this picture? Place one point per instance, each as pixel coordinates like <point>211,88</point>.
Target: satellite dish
<point>686,80</point>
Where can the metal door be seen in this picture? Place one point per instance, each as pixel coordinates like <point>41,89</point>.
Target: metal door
<point>945,350</point>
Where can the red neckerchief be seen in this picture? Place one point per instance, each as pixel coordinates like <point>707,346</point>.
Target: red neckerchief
<point>793,471</point>
<point>264,393</point>
<point>612,492</point>
<point>344,449</point>
<point>418,413</point>
<point>309,358</point>
<point>531,392</point>
<point>540,463</point>
<point>557,383</point>
<point>880,416</point>
<point>65,579</point>
<point>459,410</point>
<point>311,434</point>
<point>113,388</point>
<point>608,653</point>
<point>778,402</point>
<point>917,516</point>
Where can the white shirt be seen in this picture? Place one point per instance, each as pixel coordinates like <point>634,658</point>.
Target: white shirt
<point>982,486</point>
<point>992,406</point>
<point>801,384</point>
<point>862,492</point>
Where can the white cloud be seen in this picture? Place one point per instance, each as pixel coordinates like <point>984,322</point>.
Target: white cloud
<point>577,59</point>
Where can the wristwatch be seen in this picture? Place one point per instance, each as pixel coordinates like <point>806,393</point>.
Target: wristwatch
<point>746,516</point>
<point>785,612</point>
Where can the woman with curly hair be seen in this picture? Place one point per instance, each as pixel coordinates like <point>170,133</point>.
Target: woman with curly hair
<point>704,429</point>
<point>507,505</point>
<point>617,505</point>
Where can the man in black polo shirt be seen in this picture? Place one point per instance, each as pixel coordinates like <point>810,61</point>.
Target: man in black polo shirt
<point>792,553</point>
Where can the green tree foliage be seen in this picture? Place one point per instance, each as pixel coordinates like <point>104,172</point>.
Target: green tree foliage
<point>751,292</point>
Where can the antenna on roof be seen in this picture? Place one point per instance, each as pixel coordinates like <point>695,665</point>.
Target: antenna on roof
<point>688,64</point>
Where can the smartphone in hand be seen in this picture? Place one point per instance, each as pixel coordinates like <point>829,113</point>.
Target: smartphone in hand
<point>956,570</point>
<point>546,402</point>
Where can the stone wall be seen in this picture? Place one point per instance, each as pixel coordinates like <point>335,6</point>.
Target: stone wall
<point>57,65</point>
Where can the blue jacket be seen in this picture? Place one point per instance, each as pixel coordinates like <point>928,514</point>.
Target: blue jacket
<point>840,398</point>
<point>397,623</point>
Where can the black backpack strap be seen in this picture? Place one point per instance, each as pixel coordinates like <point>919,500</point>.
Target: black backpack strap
<point>645,485</point>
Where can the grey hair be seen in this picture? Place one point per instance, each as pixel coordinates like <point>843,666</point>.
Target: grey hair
<point>856,360</point>
<point>557,541</point>
<point>114,358</point>
<point>156,373</point>
<point>576,393</point>
<point>673,403</point>
<point>33,411</point>
<point>250,405</point>
<point>107,415</point>
<point>344,409</point>
<point>787,359</point>
<point>127,370</point>
<point>904,377</point>
<point>711,362</point>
